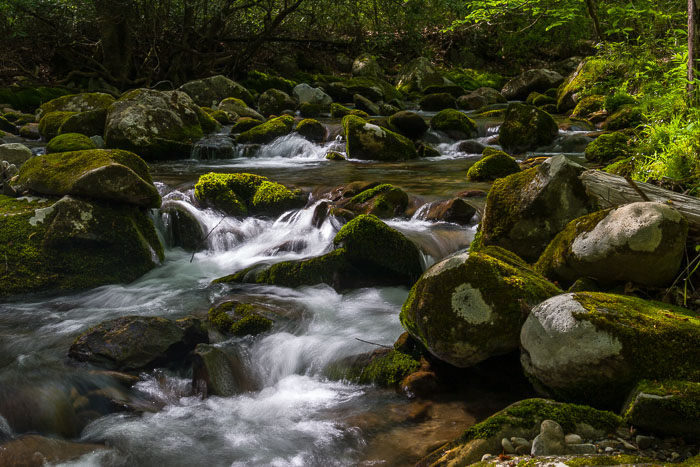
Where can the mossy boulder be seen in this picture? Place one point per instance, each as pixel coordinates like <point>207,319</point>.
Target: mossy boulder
<point>155,125</point>
<point>268,131</point>
<point>608,147</point>
<point>592,76</point>
<point>495,164</point>
<point>366,65</point>
<point>273,199</point>
<point>367,141</point>
<point>409,124</point>
<point>69,142</point>
<point>521,419</point>
<point>77,103</point>
<point>182,228</point>
<point>365,105</point>
<point>72,244</point>
<point>306,94</point>
<point>640,242</point>
<point>374,89</point>
<point>260,82</point>
<point>29,98</point>
<point>627,116</point>
<point>665,408</point>
<point>455,210</point>
<point>244,124</point>
<point>133,343</point>
<point>51,123</point>
<point>384,367</point>
<point>88,123</point>
<point>588,105</point>
<point>418,75</point>
<point>437,102</point>
<point>30,131</point>
<point>236,106</point>
<point>99,174</point>
<point>454,123</point>
<point>239,319</point>
<point>312,130</point>
<point>541,100</point>
<point>479,98</point>
<point>595,347</point>
<point>526,128</point>
<point>524,211</point>
<point>274,102</point>
<point>469,306</point>
<point>335,156</point>
<point>538,80</point>
<point>210,91</point>
<point>7,126</point>
<point>340,111</point>
<point>384,201</point>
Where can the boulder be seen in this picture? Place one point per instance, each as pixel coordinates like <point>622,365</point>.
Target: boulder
<point>452,89</point>
<point>455,210</point>
<point>133,343</point>
<point>418,75</point>
<point>154,124</point>
<point>524,211</point>
<point>67,142</point>
<point>109,175</point>
<point>73,244</point>
<point>236,106</point>
<point>275,102</point>
<point>594,347</point>
<point>665,408</point>
<point>470,306</point>
<point>244,124</point>
<point>409,124</point>
<point>550,441</point>
<point>454,123</point>
<point>627,116</point>
<point>495,164</point>
<point>526,128</point>
<point>374,89</point>
<point>365,105</point>
<point>76,103</point>
<point>30,131</point>
<point>312,130</point>
<point>88,123</point>
<point>384,367</point>
<point>305,94</point>
<point>51,122</point>
<point>182,228</point>
<point>269,131</point>
<point>340,111</point>
<point>437,102</point>
<point>367,141</point>
<point>366,65</point>
<point>590,77</point>
<point>384,201</point>
<point>7,126</point>
<point>15,153</point>
<point>210,91</point>
<point>640,242</point>
<point>214,372</point>
<point>241,319</point>
<point>588,105</point>
<point>259,81</point>
<point>538,80</point>
<point>38,451</point>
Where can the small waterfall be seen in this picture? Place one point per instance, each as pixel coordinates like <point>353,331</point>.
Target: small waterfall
<point>214,147</point>
<point>292,146</point>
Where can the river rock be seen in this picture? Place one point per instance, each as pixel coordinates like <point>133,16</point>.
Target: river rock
<point>213,372</point>
<point>51,122</point>
<point>524,211</point>
<point>76,103</point>
<point>495,164</point>
<point>100,174</point>
<point>269,131</point>
<point>239,107</point>
<point>15,153</point>
<point>374,89</point>
<point>182,228</point>
<point>479,98</point>
<point>437,102</point>
<point>133,343</point>
<point>639,242</point>
<point>627,116</point>
<point>608,147</point>
<point>470,306</point>
<point>365,105</point>
<point>455,210</point>
<point>409,124</point>
<point>154,124</point>
<point>275,102</point>
<point>367,141</point>
<point>305,94</point>
<point>520,420</point>
<point>366,65</point>
<point>666,408</point>
<point>37,451</point>
<point>210,91</point>
<point>526,128</point>
<point>550,441</point>
<point>454,124</point>
<point>384,201</point>
<point>593,347</point>
<point>539,80</point>
<point>418,75</point>
<point>68,142</point>
<point>88,123</point>
<point>30,131</point>
<point>312,130</point>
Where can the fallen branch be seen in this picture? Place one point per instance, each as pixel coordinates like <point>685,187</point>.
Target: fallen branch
<point>201,242</point>
<point>373,343</point>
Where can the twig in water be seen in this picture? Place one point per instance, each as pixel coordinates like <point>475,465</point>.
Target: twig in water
<point>373,343</point>
<point>205,238</point>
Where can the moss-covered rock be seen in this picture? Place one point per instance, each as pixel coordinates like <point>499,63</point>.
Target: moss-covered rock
<point>77,103</point>
<point>210,91</point>
<point>469,306</point>
<point>239,319</point>
<point>384,201</point>
<point>385,368</point>
<point>594,348</point>
<point>268,131</point>
<point>524,211</point>
<point>592,76</point>
<point>72,245</point>
<point>418,75</point>
<point>608,147</point>
<point>335,156</point>
<point>454,123</point>
<point>455,210</point>
<point>221,116</point>
<point>340,111</point>
<point>366,65</point>
<point>274,102</point>
<point>312,130</point>
<point>588,105</point>
<point>665,408</point>
<point>30,131</point>
<point>409,124</point>
<point>535,80</point>
<point>244,124</point>
<point>7,126</point>
<point>374,89</point>
<point>437,102</point>
<point>367,141</point>
<point>88,123</point>
<point>479,98</point>
<point>365,105</point>
<point>523,420</point>
<point>69,142</point>
<point>641,242</point>
<point>624,167</point>
<point>495,164</point>
<point>525,128</point>
<point>28,98</point>
<point>155,125</point>
<point>540,100</point>
<point>138,342</point>
<point>51,122</point>
<point>260,82</point>
<point>273,199</point>
<point>214,372</point>
<point>99,174</point>
<point>627,116</point>
<point>236,106</point>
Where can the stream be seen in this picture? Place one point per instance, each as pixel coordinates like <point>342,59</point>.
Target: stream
<point>291,414</point>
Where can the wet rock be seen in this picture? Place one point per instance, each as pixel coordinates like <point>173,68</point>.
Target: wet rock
<point>15,153</point>
<point>30,131</point>
<point>133,343</point>
<point>639,242</point>
<point>454,124</point>
<point>588,105</point>
<point>454,210</point>
<point>420,384</point>
<point>274,102</point>
<point>210,91</point>
<point>409,124</point>
<point>88,123</point>
<point>244,124</point>
<point>374,89</point>
<point>538,80</point>
<point>593,348</point>
<point>367,141</point>
<point>240,108</point>
<point>471,147</point>
<point>437,102</point>
<point>383,367</point>
<point>335,156</point>
<point>495,164</point>
<point>526,128</point>
<point>470,306</point>
<point>182,227</point>
<point>268,131</point>
<point>366,65</point>
<point>37,451</point>
<point>214,372</point>
<point>384,201</point>
<point>242,319</point>
<point>306,94</point>
<point>365,105</point>
<point>312,130</point>
<point>43,407</point>
<point>50,124</point>
<point>418,75</point>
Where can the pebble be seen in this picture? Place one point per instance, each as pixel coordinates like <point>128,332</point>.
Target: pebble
<point>507,446</point>
<point>609,449</point>
<point>573,438</point>
<point>550,441</point>
<point>485,456</point>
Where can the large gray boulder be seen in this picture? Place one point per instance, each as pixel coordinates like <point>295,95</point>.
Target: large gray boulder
<point>639,242</point>
<point>210,91</point>
<point>274,102</point>
<point>306,94</point>
<point>539,80</point>
<point>366,65</point>
<point>593,348</point>
<point>15,153</point>
<point>524,211</point>
<point>469,306</point>
<point>84,102</point>
<point>236,106</point>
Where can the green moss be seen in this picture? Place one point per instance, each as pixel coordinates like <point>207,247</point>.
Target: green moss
<point>525,128</point>
<point>538,99</point>
<point>27,98</point>
<point>309,110</point>
<point>502,203</point>
<point>627,116</point>
<point>470,79</point>
<point>494,165</point>
<point>588,105</point>
<point>340,111</point>
<point>69,142</point>
<point>597,75</point>
<point>454,123</point>
<point>624,167</point>
<point>220,116</point>
<point>228,192</point>
<point>207,122</point>
<point>244,124</point>
<point>367,141</point>
<point>311,129</point>
<point>684,396</point>
<point>51,122</point>
<point>268,131</point>
<point>251,325</point>
<point>5,125</point>
<point>335,156</point>
<point>367,86</point>
<point>608,147</point>
<point>260,82</point>
<point>88,123</point>
<point>78,103</point>
<point>622,459</point>
<point>384,201</point>
<point>273,198</point>
<point>388,370</point>
<point>239,319</point>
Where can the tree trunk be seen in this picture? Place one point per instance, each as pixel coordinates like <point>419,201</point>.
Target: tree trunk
<point>113,19</point>
<point>592,12</point>
<point>692,52</point>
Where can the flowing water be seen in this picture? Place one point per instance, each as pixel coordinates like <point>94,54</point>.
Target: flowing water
<point>290,414</point>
